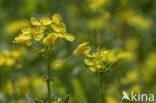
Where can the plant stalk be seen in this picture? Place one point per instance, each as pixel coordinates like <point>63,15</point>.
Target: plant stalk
<point>101,88</point>
<point>48,81</point>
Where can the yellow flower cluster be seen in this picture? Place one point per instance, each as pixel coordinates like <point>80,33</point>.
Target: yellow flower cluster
<point>100,60</point>
<point>98,4</point>
<point>10,58</point>
<point>40,30</point>
<point>136,20</point>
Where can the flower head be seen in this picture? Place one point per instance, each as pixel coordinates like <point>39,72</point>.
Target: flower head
<point>59,29</point>
<point>39,29</point>
<point>101,60</point>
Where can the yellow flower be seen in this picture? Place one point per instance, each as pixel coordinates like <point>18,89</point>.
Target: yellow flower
<point>38,33</point>
<point>35,33</point>
<point>10,58</point>
<point>28,34</point>
<point>59,28</point>
<point>8,88</point>
<point>16,54</point>
<point>22,39</point>
<point>111,99</point>
<point>67,36</point>
<point>83,48</point>
<point>2,59</point>
<point>42,21</point>
<point>51,38</point>
<point>94,65</point>
<point>57,25</point>
<point>101,60</point>
<point>56,18</point>
<point>59,31</point>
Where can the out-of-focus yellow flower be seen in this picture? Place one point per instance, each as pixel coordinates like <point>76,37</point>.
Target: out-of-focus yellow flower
<point>82,48</point>
<point>16,54</point>
<point>135,20</point>
<point>14,26</point>
<point>22,85</point>
<point>149,66</point>
<point>37,82</point>
<point>98,4</point>
<point>6,59</point>
<point>126,55</point>
<point>136,88</point>
<point>130,77</point>
<point>57,64</point>
<point>42,21</point>
<point>100,59</point>
<point>10,58</point>
<point>8,88</point>
<point>100,22</point>
<point>131,44</point>
<point>150,62</point>
<point>21,100</point>
<point>2,59</point>
<point>110,99</point>
<point>18,66</point>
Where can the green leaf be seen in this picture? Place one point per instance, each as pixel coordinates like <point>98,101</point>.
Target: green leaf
<point>30,100</point>
<point>78,90</point>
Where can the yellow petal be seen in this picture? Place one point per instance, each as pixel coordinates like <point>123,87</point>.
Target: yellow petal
<point>34,21</point>
<point>83,44</point>
<point>38,36</point>
<point>69,37</point>
<point>23,40</point>
<point>93,69</point>
<point>88,62</point>
<point>56,18</point>
<point>45,21</point>
<point>39,29</point>
<point>50,39</point>
<point>82,49</point>
<point>26,30</point>
<point>59,28</point>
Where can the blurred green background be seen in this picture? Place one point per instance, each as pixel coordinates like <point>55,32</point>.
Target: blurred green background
<point>124,25</point>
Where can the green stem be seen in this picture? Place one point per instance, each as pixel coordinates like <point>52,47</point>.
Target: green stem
<point>48,81</point>
<point>101,88</point>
